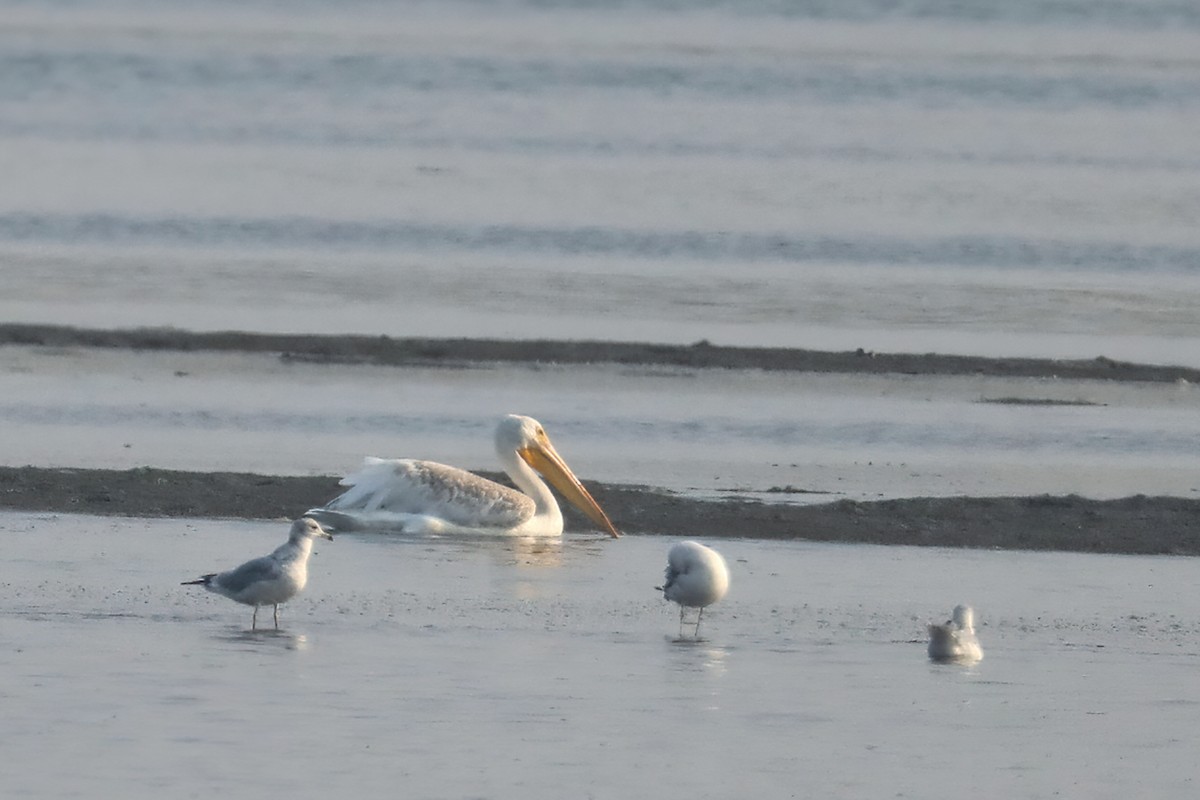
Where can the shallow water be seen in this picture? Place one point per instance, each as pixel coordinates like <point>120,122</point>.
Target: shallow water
<point>703,432</point>
<point>443,668</point>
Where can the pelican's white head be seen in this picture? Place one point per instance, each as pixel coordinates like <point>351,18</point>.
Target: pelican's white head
<point>964,617</point>
<point>516,432</point>
<point>527,438</point>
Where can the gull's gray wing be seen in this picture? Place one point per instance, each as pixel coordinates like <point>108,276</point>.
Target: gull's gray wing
<point>241,578</point>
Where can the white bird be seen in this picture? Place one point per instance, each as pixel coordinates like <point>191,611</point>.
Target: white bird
<point>427,497</point>
<point>954,640</point>
<point>696,576</point>
<point>269,580</point>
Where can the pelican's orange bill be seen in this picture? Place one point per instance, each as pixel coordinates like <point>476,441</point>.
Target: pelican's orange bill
<point>545,460</point>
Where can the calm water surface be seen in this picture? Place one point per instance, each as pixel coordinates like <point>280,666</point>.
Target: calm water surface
<point>447,669</point>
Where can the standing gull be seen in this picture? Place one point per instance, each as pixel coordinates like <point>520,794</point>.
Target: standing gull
<point>696,577</point>
<point>414,496</point>
<point>954,640</point>
<point>269,580</point>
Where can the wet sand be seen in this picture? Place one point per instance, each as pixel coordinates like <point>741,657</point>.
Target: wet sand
<point>1133,525</point>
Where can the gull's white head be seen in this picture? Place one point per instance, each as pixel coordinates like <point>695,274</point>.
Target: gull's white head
<point>310,528</point>
<point>527,438</point>
<point>964,617</point>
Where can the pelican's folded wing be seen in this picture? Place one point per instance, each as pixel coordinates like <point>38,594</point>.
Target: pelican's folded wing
<point>405,486</point>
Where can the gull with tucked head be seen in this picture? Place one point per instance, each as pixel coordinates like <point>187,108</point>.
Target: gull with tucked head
<point>954,641</point>
<point>696,576</point>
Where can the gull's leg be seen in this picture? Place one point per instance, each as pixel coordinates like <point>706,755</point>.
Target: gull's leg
<point>254,620</point>
<point>699,617</point>
<point>680,620</point>
<point>277,616</point>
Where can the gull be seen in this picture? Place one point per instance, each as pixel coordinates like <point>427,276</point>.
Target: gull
<point>954,640</point>
<point>696,577</point>
<point>271,579</point>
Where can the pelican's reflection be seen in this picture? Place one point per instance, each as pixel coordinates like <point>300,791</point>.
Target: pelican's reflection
<point>536,551</point>
<point>520,551</point>
<point>531,555</point>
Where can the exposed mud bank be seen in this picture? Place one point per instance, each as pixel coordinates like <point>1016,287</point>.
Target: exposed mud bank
<point>384,350</point>
<point>1138,524</point>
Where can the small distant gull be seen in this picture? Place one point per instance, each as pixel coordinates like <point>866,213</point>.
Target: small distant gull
<point>954,640</point>
<point>696,576</point>
<point>269,580</point>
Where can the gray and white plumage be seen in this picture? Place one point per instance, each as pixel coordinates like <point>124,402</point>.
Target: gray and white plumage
<point>271,579</point>
<point>954,640</point>
<point>696,576</point>
<point>429,493</point>
<point>414,496</point>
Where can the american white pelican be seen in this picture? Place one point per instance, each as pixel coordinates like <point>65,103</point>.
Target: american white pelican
<point>954,640</point>
<point>269,580</point>
<point>696,577</point>
<point>427,497</point>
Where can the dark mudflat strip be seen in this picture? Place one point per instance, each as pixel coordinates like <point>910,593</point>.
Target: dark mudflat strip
<point>1146,525</point>
<point>385,350</point>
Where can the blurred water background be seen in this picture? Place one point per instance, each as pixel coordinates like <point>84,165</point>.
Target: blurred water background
<point>996,179</point>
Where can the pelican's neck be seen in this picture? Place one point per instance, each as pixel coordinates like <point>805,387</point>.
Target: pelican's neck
<point>530,483</point>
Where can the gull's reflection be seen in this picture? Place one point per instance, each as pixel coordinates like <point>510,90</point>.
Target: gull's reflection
<point>264,638</point>
<point>697,656</point>
<point>698,668</point>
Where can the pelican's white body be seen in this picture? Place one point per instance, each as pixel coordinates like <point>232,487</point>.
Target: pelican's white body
<point>414,496</point>
<point>955,640</point>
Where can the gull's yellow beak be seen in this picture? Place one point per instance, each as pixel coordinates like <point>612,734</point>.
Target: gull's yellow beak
<point>542,456</point>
